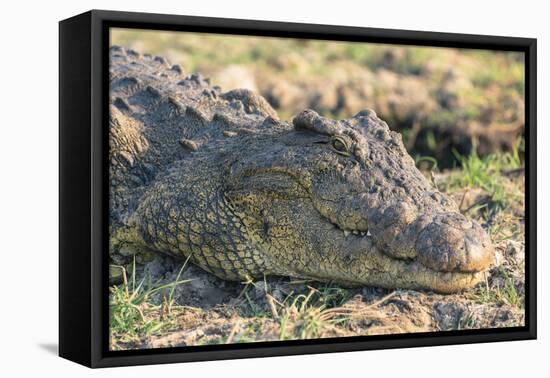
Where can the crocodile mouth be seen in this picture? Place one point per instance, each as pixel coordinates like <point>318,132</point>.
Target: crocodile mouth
<point>448,254</point>
<point>439,252</point>
<point>441,245</point>
<point>356,233</point>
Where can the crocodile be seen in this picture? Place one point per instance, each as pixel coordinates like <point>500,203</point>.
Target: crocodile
<point>218,179</point>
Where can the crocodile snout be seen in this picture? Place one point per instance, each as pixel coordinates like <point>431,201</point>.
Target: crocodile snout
<point>452,243</point>
<point>442,242</point>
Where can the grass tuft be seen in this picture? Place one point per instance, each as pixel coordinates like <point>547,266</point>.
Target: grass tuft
<point>133,313</point>
<point>500,293</point>
<point>487,172</point>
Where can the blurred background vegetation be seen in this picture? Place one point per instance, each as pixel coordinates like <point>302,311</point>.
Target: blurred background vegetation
<point>446,102</point>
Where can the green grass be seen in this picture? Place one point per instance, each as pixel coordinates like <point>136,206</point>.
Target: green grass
<point>132,311</point>
<point>487,173</point>
<point>304,314</point>
<point>466,322</point>
<point>500,294</point>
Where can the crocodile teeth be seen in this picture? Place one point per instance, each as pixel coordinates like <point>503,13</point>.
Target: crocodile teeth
<point>356,232</point>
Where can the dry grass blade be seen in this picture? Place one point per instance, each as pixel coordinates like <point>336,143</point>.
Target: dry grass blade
<point>234,330</point>
<point>272,307</point>
<point>354,309</point>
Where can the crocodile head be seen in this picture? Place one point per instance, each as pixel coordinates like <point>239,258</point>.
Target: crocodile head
<point>343,201</point>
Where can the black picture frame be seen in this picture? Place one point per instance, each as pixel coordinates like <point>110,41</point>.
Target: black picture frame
<point>83,181</point>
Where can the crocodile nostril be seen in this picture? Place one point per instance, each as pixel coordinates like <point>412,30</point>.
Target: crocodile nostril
<point>451,243</point>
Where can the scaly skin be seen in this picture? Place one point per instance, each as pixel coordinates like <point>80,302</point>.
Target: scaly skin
<point>218,178</point>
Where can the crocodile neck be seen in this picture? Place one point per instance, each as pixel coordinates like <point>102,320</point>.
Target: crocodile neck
<point>192,218</point>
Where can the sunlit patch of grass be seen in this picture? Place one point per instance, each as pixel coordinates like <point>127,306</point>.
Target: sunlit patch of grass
<point>300,314</point>
<point>307,316</point>
<point>504,293</point>
<point>323,309</point>
<point>487,173</point>
<point>132,311</point>
<point>491,190</point>
<point>504,70</point>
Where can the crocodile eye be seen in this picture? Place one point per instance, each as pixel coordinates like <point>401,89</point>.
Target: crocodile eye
<point>340,146</point>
